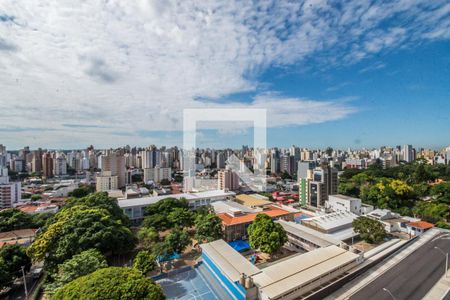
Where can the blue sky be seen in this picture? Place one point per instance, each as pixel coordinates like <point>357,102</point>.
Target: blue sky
<point>363,74</point>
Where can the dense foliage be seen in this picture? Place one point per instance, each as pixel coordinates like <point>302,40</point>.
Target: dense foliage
<point>208,227</point>
<point>168,213</point>
<point>265,234</point>
<point>111,283</point>
<point>147,237</point>
<point>82,191</point>
<point>178,239</point>
<point>12,259</point>
<point>79,265</point>
<point>409,189</point>
<point>145,261</point>
<point>369,230</point>
<point>79,227</point>
<point>14,219</point>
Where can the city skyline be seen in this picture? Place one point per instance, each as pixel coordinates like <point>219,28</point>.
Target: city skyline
<point>358,75</point>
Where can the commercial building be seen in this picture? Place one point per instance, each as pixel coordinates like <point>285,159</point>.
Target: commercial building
<point>288,279</point>
<point>157,174</point>
<point>342,203</point>
<point>134,208</point>
<point>338,224</point>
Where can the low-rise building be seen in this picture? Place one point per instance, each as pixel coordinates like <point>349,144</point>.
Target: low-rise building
<point>23,237</point>
<point>236,221</point>
<point>288,279</point>
<point>134,208</point>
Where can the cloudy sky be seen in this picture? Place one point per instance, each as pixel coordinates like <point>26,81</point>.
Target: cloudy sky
<point>109,73</point>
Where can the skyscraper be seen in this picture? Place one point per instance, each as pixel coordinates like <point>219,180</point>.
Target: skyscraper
<point>10,192</point>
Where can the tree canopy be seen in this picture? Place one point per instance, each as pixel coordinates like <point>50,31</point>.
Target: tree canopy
<point>147,237</point>
<point>80,228</point>
<point>79,265</point>
<point>265,234</point>
<point>208,227</point>
<point>111,283</point>
<point>178,240</point>
<point>13,219</point>
<point>369,230</point>
<point>12,259</point>
<point>168,213</point>
<point>145,261</point>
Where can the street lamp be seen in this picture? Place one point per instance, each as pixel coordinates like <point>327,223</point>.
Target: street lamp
<point>446,258</point>
<point>25,282</point>
<point>389,292</point>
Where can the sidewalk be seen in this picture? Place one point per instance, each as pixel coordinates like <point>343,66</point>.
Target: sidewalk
<point>348,290</point>
<point>439,290</point>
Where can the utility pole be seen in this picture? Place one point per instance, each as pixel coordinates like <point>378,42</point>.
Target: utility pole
<point>25,282</point>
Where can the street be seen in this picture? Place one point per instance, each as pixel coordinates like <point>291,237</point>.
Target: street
<point>413,277</point>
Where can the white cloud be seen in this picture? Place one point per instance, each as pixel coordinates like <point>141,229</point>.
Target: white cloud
<point>134,65</point>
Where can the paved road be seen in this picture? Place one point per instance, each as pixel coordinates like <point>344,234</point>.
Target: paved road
<point>412,278</point>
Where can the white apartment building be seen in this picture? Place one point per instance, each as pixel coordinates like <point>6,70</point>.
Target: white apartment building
<point>10,192</point>
<point>157,174</point>
<point>107,182</point>
<point>227,180</point>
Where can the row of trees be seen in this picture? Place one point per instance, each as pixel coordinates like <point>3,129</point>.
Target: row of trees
<point>14,219</point>
<point>404,189</point>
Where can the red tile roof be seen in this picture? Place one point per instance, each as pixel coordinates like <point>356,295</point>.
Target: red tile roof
<point>273,212</point>
<point>421,224</point>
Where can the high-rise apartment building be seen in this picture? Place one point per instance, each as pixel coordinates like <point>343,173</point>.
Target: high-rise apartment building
<point>10,192</point>
<point>157,174</point>
<point>227,180</point>
<point>114,162</point>
<point>106,182</point>
<point>323,183</point>
<point>408,153</point>
<point>60,165</point>
<point>47,165</point>
<point>304,176</point>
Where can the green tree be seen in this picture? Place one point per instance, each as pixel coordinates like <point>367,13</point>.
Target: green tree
<point>431,211</point>
<point>82,191</point>
<point>441,192</point>
<point>35,197</point>
<point>162,251</point>
<point>13,219</point>
<point>369,230</point>
<point>100,200</point>
<point>208,228</point>
<point>41,219</point>
<point>181,217</point>
<point>79,265</point>
<point>157,221</point>
<point>144,262</point>
<point>178,240</point>
<point>265,234</point>
<point>80,228</point>
<point>6,278</point>
<point>111,283</point>
<point>15,258</point>
<point>147,237</point>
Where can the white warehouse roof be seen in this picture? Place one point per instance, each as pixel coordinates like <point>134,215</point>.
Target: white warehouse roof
<point>145,201</point>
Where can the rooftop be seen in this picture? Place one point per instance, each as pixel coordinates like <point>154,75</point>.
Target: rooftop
<point>17,234</point>
<point>421,224</point>
<point>252,200</point>
<point>344,197</point>
<point>144,201</point>
<point>280,278</point>
<point>332,221</point>
<point>272,211</point>
<point>318,238</point>
<point>230,261</point>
